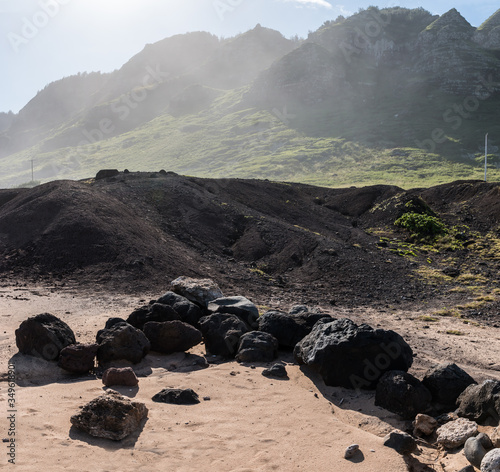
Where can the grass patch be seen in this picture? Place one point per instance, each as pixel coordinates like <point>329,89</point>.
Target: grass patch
<point>430,319</point>
<point>455,332</point>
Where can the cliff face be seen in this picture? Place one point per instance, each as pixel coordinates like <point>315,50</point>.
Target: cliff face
<point>446,52</point>
<point>488,34</point>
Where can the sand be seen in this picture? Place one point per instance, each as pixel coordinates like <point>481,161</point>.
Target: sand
<point>246,422</point>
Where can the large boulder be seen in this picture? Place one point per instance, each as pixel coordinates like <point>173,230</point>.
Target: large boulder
<point>171,336</point>
<point>446,382</point>
<point>188,311</point>
<point>110,416</point>
<point>44,336</point>
<point>257,346</point>
<point>222,333</point>
<point>454,434</point>
<point>402,394</point>
<point>78,358</point>
<point>155,312</point>
<point>199,291</point>
<point>121,341</point>
<point>481,403</point>
<point>242,307</point>
<point>353,356</point>
<point>290,329</point>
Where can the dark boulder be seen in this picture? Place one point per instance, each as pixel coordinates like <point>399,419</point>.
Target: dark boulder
<point>171,336</point>
<point>124,376</point>
<point>155,312</point>
<point>177,396</point>
<point>257,346</point>
<point>106,173</point>
<point>401,442</point>
<point>242,307</point>
<point>353,356</point>
<point>481,403</point>
<point>110,416</point>
<point>222,333</point>
<point>78,358</point>
<point>121,341</point>
<point>44,336</point>
<point>188,311</point>
<point>290,329</point>
<point>402,394</point>
<point>446,382</point>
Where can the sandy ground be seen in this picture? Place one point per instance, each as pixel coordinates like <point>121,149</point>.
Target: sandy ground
<point>249,423</point>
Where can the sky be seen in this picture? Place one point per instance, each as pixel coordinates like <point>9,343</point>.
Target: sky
<point>45,40</point>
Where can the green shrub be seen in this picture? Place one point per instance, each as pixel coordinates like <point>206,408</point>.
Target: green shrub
<point>421,226</point>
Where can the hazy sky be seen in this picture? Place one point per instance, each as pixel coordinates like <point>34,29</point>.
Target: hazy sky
<point>45,40</point>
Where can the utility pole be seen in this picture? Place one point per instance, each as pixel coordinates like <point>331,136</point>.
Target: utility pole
<point>485,155</point>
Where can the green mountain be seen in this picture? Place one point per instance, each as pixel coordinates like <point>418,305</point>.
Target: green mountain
<point>390,95</point>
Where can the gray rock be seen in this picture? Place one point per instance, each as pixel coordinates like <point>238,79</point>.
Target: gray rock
<point>44,336</point>
<point>277,370</point>
<point>177,396</point>
<point>121,341</point>
<point>222,333</point>
<point>491,461</point>
<point>298,309</point>
<point>402,394</point>
<point>481,403</point>
<point>288,329</point>
<point>401,442</point>
<point>446,382</point>
<point>353,356</point>
<point>242,307</point>
<point>78,358</point>
<point>171,336</point>
<point>455,433</point>
<point>351,451</point>
<point>474,451</point>
<point>124,376</point>
<point>199,291</point>
<point>110,416</point>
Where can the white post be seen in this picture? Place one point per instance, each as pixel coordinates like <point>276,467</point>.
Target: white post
<point>485,155</point>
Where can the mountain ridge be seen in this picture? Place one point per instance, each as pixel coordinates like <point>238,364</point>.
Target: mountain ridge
<point>373,83</point>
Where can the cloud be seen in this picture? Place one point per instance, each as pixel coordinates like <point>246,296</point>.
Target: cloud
<point>312,3</point>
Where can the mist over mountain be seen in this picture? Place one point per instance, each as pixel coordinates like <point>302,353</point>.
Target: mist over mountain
<point>393,94</point>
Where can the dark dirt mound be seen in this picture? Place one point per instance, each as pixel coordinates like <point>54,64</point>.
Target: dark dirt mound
<point>138,231</point>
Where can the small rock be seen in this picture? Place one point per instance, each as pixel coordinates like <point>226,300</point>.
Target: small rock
<point>474,451</point>
<point>455,433</point>
<point>277,370</point>
<point>467,468</point>
<point>351,451</point>
<point>124,376</point>
<point>177,396</point>
<point>491,461</point>
<point>401,442</point>
<point>424,425</point>
<point>495,437</point>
